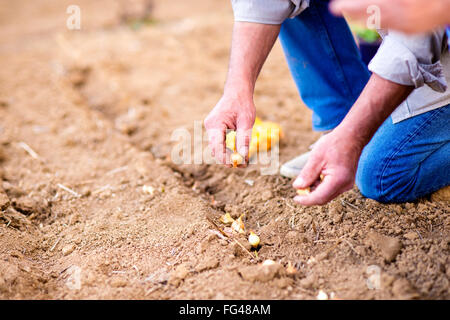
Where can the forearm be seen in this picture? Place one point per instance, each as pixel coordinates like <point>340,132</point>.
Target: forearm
<point>378,100</point>
<point>252,43</point>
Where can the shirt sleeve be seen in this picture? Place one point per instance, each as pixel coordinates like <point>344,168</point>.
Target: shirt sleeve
<point>412,60</point>
<point>267,11</point>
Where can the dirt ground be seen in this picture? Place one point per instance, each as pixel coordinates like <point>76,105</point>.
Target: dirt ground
<point>98,107</point>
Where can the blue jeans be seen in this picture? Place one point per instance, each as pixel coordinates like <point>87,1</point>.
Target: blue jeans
<point>407,160</point>
<point>403,161</point>
<point>325,63</point>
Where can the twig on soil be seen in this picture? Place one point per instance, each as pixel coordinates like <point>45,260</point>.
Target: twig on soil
<point>116,170</point>
<point>351,246</point>
<point>217,233</point>
<point>420,236</point>
<point>86,182</point>
<point>349,204</point>
<point>7,219</point>
<point>217,227</point>
<point>102,189</point>
<point>326,240</point>
<point>69,190</point>
<point>29,150</point>
<point>54,246</point>
<point>226,235</point>
<point>245,249</point>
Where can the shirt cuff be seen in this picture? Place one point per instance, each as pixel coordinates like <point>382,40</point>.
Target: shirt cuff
<point>267,11</point>
<point>396,62</point>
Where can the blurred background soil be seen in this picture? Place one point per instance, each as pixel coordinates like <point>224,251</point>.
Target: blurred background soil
<point>86,119</point>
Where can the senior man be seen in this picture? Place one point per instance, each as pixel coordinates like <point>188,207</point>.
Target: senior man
<point>389,129</point>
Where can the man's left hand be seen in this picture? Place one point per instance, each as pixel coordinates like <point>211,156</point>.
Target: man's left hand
<point>335,156</point>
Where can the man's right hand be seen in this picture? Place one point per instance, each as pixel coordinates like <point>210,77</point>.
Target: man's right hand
<point>250,47</point>
<point>235,113</point>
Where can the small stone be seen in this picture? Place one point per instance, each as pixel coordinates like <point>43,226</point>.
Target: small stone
<point>266,195</point>
<point>263,272</point>
<point>411,235</point>
<point>68,249</point>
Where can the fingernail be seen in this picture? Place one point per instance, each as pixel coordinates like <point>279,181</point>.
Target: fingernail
<point>299,183</point>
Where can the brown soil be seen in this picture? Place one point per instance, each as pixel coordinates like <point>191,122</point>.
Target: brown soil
<point>98,107</point>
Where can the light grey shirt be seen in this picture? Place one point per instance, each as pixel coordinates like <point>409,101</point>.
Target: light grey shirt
<point>422,61</point>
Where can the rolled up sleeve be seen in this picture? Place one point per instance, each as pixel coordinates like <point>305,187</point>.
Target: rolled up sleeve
<point>411,60</point>
<point>267,11</point>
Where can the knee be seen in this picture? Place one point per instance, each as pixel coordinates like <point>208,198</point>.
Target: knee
<point>368,179</point>
<point>384,182</point>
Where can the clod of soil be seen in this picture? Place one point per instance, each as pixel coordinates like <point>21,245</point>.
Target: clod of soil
<point>389,247</point>
<point>263,273</point>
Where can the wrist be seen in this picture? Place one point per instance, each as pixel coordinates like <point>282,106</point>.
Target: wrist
<point>352,136</point>
<point>242,90</point>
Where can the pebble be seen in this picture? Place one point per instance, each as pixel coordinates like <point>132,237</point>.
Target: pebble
<point>266,195</point>
<point>68,249</point>
<point>411,235</point>
<point>262,272</point>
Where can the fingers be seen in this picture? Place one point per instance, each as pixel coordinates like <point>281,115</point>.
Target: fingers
<point>216,139</point>
<point>325,192</point>
<point>244,127</point>
<point>309,174</point>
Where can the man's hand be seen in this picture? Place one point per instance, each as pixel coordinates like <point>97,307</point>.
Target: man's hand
<point>336,154</point>
<point>236,113</point>
<point>336,158</point>
<point>411,16</point>
<point>250,47</point>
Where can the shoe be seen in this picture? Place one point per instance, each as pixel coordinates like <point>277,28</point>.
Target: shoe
<point>292,168</point>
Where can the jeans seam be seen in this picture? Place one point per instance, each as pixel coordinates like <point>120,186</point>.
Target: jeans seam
<point>412,135</point>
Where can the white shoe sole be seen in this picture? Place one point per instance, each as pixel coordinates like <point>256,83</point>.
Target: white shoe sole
<point>292,168</point>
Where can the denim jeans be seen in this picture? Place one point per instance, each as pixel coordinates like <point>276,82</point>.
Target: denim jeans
<point>403,161</point>
<point>325,63</point>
